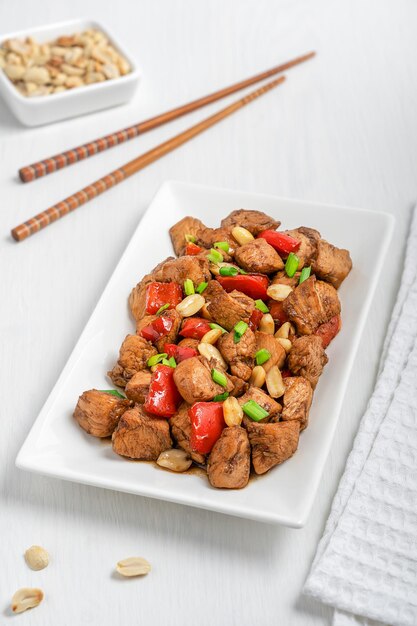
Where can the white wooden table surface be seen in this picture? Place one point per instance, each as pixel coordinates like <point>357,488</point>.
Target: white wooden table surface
<point>343,129</point>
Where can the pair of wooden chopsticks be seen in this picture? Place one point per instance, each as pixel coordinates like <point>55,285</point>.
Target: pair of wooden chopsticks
<point>49,165</point>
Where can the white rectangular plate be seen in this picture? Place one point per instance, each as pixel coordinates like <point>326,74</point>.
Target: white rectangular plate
<point>56,446</point>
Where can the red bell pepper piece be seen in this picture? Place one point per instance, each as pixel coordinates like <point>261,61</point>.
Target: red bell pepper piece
<point>157,329</point>
<point>255,319</point>
<point>253,285</point>
<point>285,374</point>
<point>192,249</point>
<point>195,327</point>
<point>158,294</point>
<point>277,311</point>
<point>328,331</point>
<point>180,353</point>
<point>207,423</point>
<point>283,244</point>
<point>163,397</point>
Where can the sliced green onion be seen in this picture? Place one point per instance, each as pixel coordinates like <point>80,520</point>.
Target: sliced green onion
<point>172,362</point>
<point>213,326</point>
<point>223,245</point>
<point>201,287</point>
<point>157,358</point>
<point>113,392</point>
<point>242,271</point>
<point>259,304</point>
<point>163,308</point>
<point>240,329</point>
<point>219,377</point>
<point>229,270</point>
<point>221,397</point>
<point>305,273</point>
<point>215,256</point>
<point>254,410</point>
<point>262,356</point>
<point>291,264</point>
<point>188,287</point>
<point>190,238</point>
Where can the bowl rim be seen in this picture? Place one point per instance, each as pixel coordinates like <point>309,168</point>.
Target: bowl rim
<point>7,84</point>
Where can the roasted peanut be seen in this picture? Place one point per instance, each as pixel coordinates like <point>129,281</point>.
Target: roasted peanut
<point>232,412</point>
<point>279,292</point>
<point>37,558</point>
<point>242,235</point>
<point>211,352</point>
<point>274,383</point>
<point>267,324</point>
<point>190,305</point>
<point>176,460</point>
<point>258,375</point>
<point>133,566</point>
<point>26,598</point>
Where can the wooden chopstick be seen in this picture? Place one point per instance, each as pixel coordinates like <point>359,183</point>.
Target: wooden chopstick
<point>71,203</point>
<point>54,163</point>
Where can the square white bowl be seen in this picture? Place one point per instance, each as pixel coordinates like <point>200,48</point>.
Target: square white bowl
<point>57,446</point>
<point>73,102</point>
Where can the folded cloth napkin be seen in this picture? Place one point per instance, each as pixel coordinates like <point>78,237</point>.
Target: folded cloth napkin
<point>366,561</point>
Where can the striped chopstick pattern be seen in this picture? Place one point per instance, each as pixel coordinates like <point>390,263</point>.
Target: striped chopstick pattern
<point>36,223</point>
<point>54,163</point>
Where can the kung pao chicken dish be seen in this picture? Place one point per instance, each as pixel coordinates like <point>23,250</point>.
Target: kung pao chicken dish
<point>229,346</point>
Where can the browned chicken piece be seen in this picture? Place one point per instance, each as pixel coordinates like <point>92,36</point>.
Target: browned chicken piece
<point>261,398</point>
<point>207,237</point>
<point>297,400</point>
<point>187,226</point>
<point>331,264</point>
<point>138,386</point>
<point>307,358</point>
<point>258,256</point>
<point>281,278</point>
<point>270,343</point>
<point>194,382</point>
<point>133,357</point>
<point>254,221</point>
<point>240,386</point>
<point>309,239</point>
<point>137,298</point>
<point>228,465</point>
<point>189,342</point>
<point>141,437</point>
<point>181,430</point>
<point>227,308</point>
<point>311,304</point>
<point>240,356</point>
<point>98,412</point>
<point>177,270</point>
<point>272,444</point>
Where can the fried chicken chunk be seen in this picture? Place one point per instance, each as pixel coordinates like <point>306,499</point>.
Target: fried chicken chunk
<point>297,400</point>
<point>227,308</point>
<point>259,257</point>
<point>261,398</point>
<point>240,356</point>
<point>138,386</point>
<point>270,343</point>
<point>194,382</point>
<point>272,444</point>
<point>133,357</point>
<point>187,226</point>
<point>307,358</point>
<point>254,221</point>
<point>141,437</point>
<point>228,465</point>
<point>98,412</point>
<point>331,264</point>
<point>311,304</point>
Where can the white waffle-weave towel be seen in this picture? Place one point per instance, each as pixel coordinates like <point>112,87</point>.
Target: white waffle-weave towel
<point>366,561</point>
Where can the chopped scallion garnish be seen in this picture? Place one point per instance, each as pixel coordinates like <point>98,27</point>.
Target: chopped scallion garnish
<point>201,287</point>
<point>213,326</point>
<point>157,358</point>
<point>254,410</point>
<point>223,245</point>
<point>172,362</point>
<point>114,392</point>
<point>190,238</point>
<point>188,287</point>
<point>229,270</point>
<point>259,304</point>
<point>163,308</point>
<point>262,356</point>
<point>215,256</point>
<point>240,329</point>
<point>305,273</point>
<point>219,377</point>
<point>242,271</point>
<point>291,264</point>
<point>221,397</point>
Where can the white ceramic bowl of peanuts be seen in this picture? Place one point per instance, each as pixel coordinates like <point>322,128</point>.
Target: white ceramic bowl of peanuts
<point>64,70</point>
